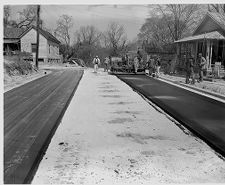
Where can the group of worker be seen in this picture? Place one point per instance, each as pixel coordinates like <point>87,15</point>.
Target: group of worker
<point>154,62</point>
<point>153,65</point>
<point>125,59</point>
<point>96,62</point>
<point>201,65</point>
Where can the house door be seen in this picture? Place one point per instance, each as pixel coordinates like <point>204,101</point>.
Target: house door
<point>221,52</point>
<point>220,49</point>
<point>202,48</point>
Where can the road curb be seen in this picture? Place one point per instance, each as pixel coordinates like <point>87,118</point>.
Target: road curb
<point>195,88</point>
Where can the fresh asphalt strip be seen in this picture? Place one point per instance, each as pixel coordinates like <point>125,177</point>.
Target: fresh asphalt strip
<point>32,113</point>
<point>202,115</point>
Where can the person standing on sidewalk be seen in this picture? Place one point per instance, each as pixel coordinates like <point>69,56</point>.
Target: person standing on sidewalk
<point>157,64</point>
<point>136,64</point>
<point>96,62</point>
<point>110,63</point>
<point>139,55</point>
<point>106,64</point>
<point>201,66</point>
<point>190,71</point>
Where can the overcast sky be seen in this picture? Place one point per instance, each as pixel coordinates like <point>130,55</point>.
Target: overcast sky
<point>131,16</point>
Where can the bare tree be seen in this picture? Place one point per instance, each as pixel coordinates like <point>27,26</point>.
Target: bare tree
<point>219,8</point>
<point>116,38</point>
<point>6,15</point>
<point>27,16</point>
<point>155,34</point>
<point>88,35</point>
<point>64,25</point>
<point>87,42</point>
<point>182,16</point>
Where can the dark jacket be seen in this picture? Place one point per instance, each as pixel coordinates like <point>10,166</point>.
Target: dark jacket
<point>157,62</point>
<point>190,65</point>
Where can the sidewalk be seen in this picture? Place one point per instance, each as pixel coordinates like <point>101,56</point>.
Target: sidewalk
<point>215,88</point>
<point>111,135</point>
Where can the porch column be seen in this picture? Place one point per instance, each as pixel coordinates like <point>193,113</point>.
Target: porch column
<point>8,49</point>
<point>217,50</point>
<point>196,51</point>
<point>178,53</point>
<point>208,54</point>
<point>223,55</point>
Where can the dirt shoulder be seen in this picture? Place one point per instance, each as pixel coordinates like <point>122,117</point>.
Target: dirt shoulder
<point>13,81</point>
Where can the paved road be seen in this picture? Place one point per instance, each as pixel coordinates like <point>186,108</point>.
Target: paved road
<point>32,112</point>
<point>204,116</point>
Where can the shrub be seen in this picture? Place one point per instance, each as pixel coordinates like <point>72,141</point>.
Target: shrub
<point>15,65</point>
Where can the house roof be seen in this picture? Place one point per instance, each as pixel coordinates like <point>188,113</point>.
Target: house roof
<point>14,33</point>
<point>215,35</point>
<point>49,36</point>
<point>217,18</point>
<point>9,41</point>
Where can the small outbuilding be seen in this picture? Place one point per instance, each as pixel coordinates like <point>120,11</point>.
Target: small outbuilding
<point>24,40</point>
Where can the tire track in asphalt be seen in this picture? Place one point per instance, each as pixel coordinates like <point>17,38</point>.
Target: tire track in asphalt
<point>29,114</point>
<point>16,97</point>
<point>27,134</point>
<point>24,107</point>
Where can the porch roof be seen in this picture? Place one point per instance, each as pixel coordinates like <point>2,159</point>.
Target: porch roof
<point>10,41</point>
<point>215,35</point>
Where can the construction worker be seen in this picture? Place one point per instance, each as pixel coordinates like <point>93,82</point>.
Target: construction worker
<point>96,62</point>
<point>201,61</point>
<point>157,65</point>
<point>106,64</point>
<point>139,55</point>
<point>190,70</point>
<point>136,64</point>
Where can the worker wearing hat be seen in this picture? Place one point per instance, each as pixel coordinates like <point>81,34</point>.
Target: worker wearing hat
<point>96,62</point>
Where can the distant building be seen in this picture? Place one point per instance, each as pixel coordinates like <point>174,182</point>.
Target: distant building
<point>208,39</point>
<point>24,40</point>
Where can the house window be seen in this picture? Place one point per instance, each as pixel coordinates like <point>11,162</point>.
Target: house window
<point>33,48</point>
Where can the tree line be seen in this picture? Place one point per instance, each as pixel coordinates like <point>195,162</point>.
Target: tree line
<point>88,40</point>
<point>166,23</point>
<point>170,22</point>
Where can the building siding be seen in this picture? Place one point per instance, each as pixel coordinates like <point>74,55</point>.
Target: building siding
<point>30,38</point>
<point>52,50</point>
<point>44,46</point>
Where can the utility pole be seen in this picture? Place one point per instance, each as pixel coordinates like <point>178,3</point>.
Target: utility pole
<point>37,41</point>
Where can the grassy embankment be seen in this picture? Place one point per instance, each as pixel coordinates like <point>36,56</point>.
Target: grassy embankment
<point>17,71</point>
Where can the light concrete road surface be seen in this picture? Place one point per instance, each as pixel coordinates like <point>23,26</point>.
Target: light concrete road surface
<point>111,135</point>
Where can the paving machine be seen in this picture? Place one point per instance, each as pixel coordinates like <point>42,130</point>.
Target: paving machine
<point>127,64</point>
